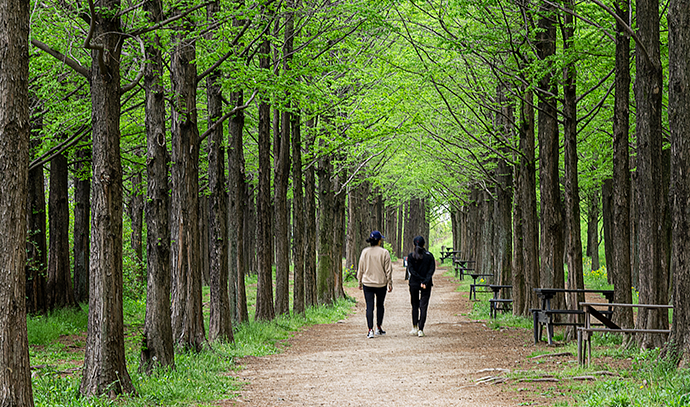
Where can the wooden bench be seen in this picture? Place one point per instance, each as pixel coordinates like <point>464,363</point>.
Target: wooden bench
<point>544,317</point>
<point>499,304</point>
<point>584,334</point>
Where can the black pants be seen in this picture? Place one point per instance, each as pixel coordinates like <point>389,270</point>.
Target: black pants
<point>420,302</point>
<point>369,294</point>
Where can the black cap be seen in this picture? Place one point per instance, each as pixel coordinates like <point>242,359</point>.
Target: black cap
<point>418,241</point>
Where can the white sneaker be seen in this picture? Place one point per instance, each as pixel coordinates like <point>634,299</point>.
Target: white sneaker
<point>420,333</point>
<point>380,331</point>
<point>414,331</point>
<point>370,334</point>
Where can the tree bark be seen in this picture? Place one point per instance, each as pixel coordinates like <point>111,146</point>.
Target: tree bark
<point>339,226</point>
<point>60,293</point>
<point>648,97</point>
<point>105,369</point>
<point>82,204</point>
<point>298,242</point>
<point>503,230</point>
<point>15,375</point>
<point>679,123</point>
<point>607,217</point>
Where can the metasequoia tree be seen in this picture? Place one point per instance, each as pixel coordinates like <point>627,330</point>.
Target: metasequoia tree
<point>648,90</point>
<point>679,123</point>
<point>82,204</point>
<point>15,372</point>
<point>157,339</point>
<point>551,253</point>
<point>620,267</point>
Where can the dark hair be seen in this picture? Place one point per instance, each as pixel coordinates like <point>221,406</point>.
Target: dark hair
<point>418,252</point>
<point>373,242</point>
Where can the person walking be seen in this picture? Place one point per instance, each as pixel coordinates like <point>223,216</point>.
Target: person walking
<point>374,274</point>
<point>420,270</point>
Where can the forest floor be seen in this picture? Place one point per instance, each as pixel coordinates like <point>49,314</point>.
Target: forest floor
<point>336,365</point>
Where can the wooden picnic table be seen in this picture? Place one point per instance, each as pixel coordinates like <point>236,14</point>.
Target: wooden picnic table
<point>543,317</point>
<point>474,285</point>
<point>499,304</point>
<point>449,252</point>
<point>584,334</point>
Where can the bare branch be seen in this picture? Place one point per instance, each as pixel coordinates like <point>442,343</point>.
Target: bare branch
<point>78,68</point>
<point>227,115</point>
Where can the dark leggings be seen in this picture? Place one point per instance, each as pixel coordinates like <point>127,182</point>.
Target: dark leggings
<point>369,293</point>
<point>420,302</point>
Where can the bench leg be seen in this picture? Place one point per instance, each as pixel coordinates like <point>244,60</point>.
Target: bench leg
<point>549,333</point>
<point>472,290</point>
<point>537,333</point>
<point>589,348</point>
<point>492,309</point>
<point>580,359</point>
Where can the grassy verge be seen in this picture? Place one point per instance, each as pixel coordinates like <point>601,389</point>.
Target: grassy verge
<point>199,379</point>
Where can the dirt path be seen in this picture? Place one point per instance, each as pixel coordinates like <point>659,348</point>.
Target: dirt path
<point>336,365</point>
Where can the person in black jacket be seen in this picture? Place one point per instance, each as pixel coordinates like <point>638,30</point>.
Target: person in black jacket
<point>420,269</point>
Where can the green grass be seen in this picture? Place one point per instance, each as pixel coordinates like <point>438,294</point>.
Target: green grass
<point>199,379</point>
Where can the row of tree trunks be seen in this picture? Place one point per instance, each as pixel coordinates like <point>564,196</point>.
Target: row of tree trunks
<point>324,275</point>
<point>503,228</point>
<point>592,249</point>
<point>136,215</point>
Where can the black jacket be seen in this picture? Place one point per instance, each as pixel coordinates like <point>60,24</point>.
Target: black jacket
<point>421,271</point>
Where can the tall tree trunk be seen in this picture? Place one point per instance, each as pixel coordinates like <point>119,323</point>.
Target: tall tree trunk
<point>679,123</point>
<point>60,292</point>
<point>37,248</point>
<point>620,267</point>
<point>528,197</point>
<point>593,228</point>
<point>607,218</point>
<point>504,198</point>
<point>82,205</point>
<point>310,237</point>
<point>298,241</point>
<point>15,375</point>
<point>648,97</point>
<point>572,188</point>
<point>220,322</point>
<point>187,316</point>
<point>264,300</point>
<point>282,239</point>
<point>520,289</point>
<point>391,228</point>
<point>237,188</point>
<point>551,255</point>
<point>339,226</point>
<point>157,341</point>
<point>136,215</point>
<point>324,274</point>
<point>105,369</point>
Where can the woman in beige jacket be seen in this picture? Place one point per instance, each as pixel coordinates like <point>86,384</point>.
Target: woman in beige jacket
<point>375,273</point>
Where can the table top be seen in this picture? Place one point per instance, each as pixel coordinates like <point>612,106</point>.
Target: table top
<point>552,291</point>
<point>498,286</point>
<point>480,275</point>
<point>614,304</point>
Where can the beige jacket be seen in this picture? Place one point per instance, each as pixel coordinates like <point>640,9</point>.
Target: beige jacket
<point>375,269</point>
